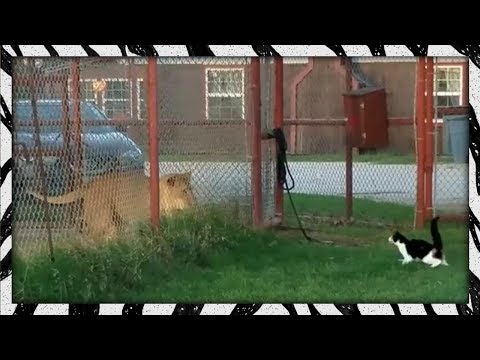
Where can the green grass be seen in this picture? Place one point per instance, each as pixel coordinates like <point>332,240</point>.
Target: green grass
<point>376,158</point>
<point>209,258</point>
<point>320,206</point>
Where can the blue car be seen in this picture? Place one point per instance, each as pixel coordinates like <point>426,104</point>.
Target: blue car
<point>104,147</point>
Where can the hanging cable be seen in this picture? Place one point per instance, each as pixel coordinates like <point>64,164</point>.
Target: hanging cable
<point>283,170</point>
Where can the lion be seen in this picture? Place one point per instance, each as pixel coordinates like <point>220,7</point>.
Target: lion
<point>113,201</point>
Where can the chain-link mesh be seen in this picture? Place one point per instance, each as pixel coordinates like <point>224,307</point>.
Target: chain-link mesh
<point>202,113</point>
<point>379,99</point>
<point>100,144</point>
<point>451,119</point>
<point>203,109</point>
<point>269,175</point>
<point>385,161</point>
<point>314,129</point>
<point>76,123</point>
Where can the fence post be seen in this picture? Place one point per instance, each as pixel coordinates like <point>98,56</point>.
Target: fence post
<point>67,154</point>
<point>429,138</point>
<point>348,172</point>
<point>256,142</point>
<point>39,155</point>
<point>420,133</point>
<point>278,123</point>
<point>77,126</point>
<point>348,147</point>
<point>152,119</point>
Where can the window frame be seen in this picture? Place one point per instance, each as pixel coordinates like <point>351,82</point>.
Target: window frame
<point>129,99</point>
<point>83,81</point>
<point>139,84</point>
<point>459,93</point>
<point>209,95</point>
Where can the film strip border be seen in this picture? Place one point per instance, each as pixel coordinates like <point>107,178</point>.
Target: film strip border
<point>8,51</point>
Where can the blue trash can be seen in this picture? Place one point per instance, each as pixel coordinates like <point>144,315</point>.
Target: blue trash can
<point>458,136</point>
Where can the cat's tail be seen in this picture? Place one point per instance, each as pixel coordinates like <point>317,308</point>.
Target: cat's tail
<point>437,238</point>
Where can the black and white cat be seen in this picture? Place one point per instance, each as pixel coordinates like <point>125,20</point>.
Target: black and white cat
<point>420,250</point>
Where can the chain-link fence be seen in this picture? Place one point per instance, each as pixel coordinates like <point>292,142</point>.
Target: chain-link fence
<point>379,110</point>
<point>82,138</point>
<point>451,137</point>
<point>383,105</point>
<point>203,128</point>
<point>83,124</point>
<point>404,130</point>
<point>314,128</point>
<point>72,125</point>
<point>375,99</point>
<point>269,98</point>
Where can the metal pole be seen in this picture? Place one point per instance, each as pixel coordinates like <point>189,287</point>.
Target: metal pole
<point>256,141</point>
<point>435,141</point>
<point>429,134</point>
<point>420,120</point>
<point>77,125</point>
<point>152,117</point>
<point>278,123</point>
<point>39,159</point>
<point>348,149</point>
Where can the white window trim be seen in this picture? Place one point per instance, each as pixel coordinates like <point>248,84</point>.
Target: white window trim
<point>95,99</point>
<point>140,82</point>
<point>450,93</point>
<point>104,98</point>
<point>207,94</point>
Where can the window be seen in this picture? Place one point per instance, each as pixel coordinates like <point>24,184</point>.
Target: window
<point>116,98</point>
<point>87,93</point>
<point>225,94</point>
<point>141,98</point>
<point>448,86</point>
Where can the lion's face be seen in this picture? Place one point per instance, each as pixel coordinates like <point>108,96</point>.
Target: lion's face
<point>176,191</point>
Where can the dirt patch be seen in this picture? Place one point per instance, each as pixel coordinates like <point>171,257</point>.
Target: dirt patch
<point>322,238</point>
